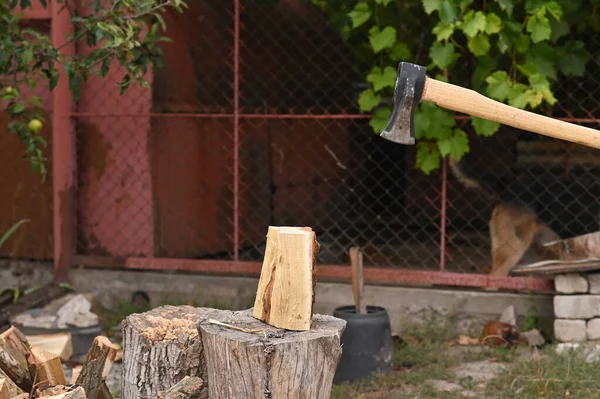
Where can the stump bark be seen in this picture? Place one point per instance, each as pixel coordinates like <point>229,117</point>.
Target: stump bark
<point>266,362</point>
<point>235,354</point>
<point>160,348</point>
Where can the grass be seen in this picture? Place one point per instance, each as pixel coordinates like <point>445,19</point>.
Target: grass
<point>426,355</point>
<point>551,376</point>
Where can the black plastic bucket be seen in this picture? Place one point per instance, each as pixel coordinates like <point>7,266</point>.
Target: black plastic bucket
<point>367,345</point>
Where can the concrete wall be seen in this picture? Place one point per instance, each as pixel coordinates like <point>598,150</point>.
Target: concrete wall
<point>405,305</point>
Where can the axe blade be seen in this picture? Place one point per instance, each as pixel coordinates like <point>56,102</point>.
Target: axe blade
<point>410,81</point>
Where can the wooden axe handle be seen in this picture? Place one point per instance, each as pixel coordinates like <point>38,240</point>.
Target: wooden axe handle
<point>470,102</point>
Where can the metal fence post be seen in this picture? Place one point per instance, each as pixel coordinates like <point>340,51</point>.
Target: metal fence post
<point>63,153</point>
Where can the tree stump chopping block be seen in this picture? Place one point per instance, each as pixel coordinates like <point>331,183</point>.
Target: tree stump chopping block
<point>247,358</point>
<point>160,348</point>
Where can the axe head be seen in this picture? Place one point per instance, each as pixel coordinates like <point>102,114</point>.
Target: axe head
<point>410,81</point>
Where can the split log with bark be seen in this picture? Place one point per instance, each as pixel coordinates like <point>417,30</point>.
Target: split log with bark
<point>286,289</point>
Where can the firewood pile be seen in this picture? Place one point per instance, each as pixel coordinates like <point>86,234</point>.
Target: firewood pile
<point>32,367</point>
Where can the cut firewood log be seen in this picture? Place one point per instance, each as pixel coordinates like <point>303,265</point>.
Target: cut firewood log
<point>249,359</point>
<point>187,388</point>
<point>75,373</point>
<point>286,289</point>
<point>14,351</point>
<point>4,388</point>
<point>72,393</point>
<point>159,347</point>
<point>96,366</point>
<point>44,390</point>
<point>58,344</point>
<point>46,368</point>
<point>10,386</point>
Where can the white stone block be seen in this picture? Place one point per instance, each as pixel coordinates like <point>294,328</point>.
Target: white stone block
<point>571,283</point>
<point>593,329</point>
<point>570,330</point>
<point>594,283</point>
<point>576,306</point>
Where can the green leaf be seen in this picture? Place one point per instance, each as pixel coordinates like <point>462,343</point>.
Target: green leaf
<point>545,58</point>
<point>484,127</point>
<point>427,157</point>
<point>504,42</point>
<point>507,5</point>
<point>399,52</point>
<point>18,108</point>
<point>382,79</point>
<point>528,69</point>
<point>539,28</point>
<point>479,45</point>
<point>493,24</point>
<point>26,57</point>
<point>522,44</point>
<point>447,12</point>
<point>559,29</point>
<point>383,39</point>
<point>573,58</point>
<point>12,231</point>
<point>534,98</point>
<point>380,119</point>
<point>533,6</point>
<point>443,31</point>
<point>368,100</point>
<point>124,84</point>
<point>75,87</point>
<point>360,14</point>
<point>442,55</point>
<point>431,5</point>
<point>473,23</point>
<point>516,96</point>
<point>554,9</point>
<point>105,67</point>
<point>456,146</point>
<point>541,85</point>
<point>53,81</point>
<point>484,68</point>
<point>499,85</point>
<point>433,122</point>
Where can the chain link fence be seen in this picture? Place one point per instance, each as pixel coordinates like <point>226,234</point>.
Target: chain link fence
<point>253,121</point>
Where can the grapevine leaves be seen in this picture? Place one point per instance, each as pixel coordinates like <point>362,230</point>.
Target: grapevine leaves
<point>520,48</point>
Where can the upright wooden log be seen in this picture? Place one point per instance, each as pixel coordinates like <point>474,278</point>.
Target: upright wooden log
<point>249,359</point>
<point>96,366</point>
<point>14,351</point>
<point>160,348</point>
<point>286,289</point>
<point>46,367</point>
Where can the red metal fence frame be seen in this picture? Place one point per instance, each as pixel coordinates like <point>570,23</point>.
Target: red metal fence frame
<point>64,172</point>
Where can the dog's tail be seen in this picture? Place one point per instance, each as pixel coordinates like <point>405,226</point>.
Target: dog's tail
<point>469,182</point>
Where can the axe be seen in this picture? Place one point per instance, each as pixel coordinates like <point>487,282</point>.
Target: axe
<point>413,86</point>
